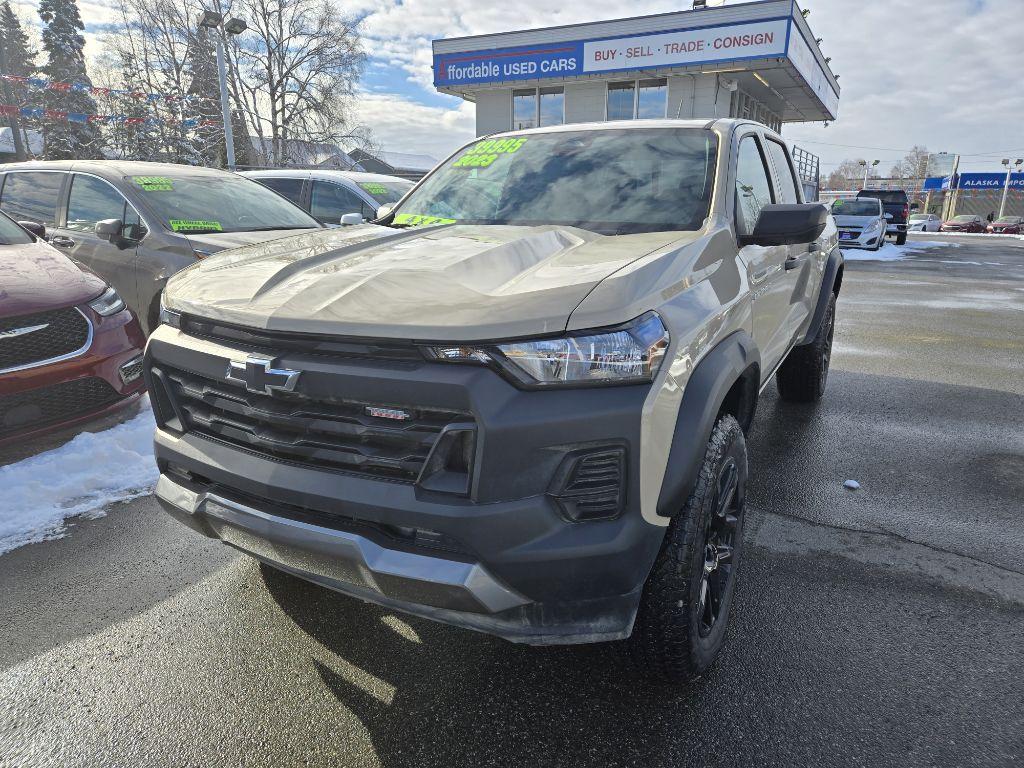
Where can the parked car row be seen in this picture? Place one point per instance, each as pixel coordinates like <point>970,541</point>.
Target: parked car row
<point>86,248</point>
<point>1005,225</point>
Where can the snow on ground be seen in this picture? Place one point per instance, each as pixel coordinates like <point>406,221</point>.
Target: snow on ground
<point>982,235</point>
<point>79,478</point>
<point>893,252</point>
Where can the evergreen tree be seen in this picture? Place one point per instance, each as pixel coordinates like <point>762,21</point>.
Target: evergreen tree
<point>65,63</point>
<point>20,55</point>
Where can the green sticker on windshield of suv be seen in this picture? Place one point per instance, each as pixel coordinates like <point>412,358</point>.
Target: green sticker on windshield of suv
<point>484,153</point>
<point>154,183</point>
<point>416,220</point>
<point>374,188</point>
<point>195,225</point>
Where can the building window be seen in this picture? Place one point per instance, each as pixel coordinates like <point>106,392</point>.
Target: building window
<point>640,99</point>
<point>532,107</point>
<point>621,101</point>
<point>651,99</point>
<point>552,106</point>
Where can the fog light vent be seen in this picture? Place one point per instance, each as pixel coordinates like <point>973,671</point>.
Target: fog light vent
<point>591,484</point>
<point>131,370</point>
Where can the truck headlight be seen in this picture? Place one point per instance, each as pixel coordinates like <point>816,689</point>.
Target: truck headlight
<point>107,303</point>
<point>167,315</point>
<point>629,354</point>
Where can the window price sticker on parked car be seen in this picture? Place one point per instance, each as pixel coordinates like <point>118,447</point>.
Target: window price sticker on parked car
<point>154,183</point>
<point>486,152</point>
<point>195,225</point>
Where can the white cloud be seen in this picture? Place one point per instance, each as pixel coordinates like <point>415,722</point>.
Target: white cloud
<point>403,125</point>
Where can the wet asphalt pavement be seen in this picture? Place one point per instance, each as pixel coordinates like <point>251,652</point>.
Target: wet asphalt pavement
<point>877,627</point>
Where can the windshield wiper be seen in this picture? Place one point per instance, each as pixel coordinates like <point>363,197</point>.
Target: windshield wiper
<point>271,229</point>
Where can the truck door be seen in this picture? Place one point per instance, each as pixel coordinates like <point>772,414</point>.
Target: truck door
<point>771,285</point>
<point>805,260</point>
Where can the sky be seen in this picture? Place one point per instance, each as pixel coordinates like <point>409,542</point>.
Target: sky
<point>946,74</point>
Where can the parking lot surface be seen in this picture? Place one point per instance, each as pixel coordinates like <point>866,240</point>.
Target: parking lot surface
<point>882,626</point>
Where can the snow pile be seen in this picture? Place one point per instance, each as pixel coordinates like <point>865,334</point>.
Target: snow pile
<point>892,252</point>
<point>81,477</point>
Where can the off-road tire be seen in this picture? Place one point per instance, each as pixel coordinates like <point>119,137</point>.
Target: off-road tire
<point>672,641</point>
<point>901,238</point>
<point>804,374</point>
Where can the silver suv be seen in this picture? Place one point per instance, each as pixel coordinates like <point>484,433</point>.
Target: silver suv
<point>516,403</point>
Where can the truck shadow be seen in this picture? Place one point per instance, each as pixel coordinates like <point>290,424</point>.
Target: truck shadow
<point>429,694</point>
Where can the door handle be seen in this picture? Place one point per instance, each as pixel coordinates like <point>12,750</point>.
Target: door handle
<point>62,242</point>
<point>796,261</point>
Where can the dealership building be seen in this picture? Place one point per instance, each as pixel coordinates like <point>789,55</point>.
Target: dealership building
<point>756,60</point>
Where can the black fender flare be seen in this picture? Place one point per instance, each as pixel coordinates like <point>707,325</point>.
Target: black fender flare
<point>828,279</point>
<point>703,396</point>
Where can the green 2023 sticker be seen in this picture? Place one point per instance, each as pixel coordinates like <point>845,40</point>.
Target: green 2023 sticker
<point>154,183</point>
<point>192,225</point>
<point>416,220</point>
<point>486,152</point>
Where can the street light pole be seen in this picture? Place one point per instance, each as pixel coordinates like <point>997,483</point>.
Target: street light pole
<point>1006,185</point>
<point>213,21</point>
<point>225,110</point>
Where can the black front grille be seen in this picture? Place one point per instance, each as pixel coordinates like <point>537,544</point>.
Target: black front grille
<point>334,433</point>
<point>64,331</point>
<point>45,405</point>
<point>284,342</point>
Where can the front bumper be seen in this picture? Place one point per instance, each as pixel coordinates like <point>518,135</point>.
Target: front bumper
<point>862,240</point>
<point>502,558</point>
<point>103,379</point>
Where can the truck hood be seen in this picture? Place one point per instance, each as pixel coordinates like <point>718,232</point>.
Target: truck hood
<point>213,242</point>
<point>455,282</point>
<point>35,277</point>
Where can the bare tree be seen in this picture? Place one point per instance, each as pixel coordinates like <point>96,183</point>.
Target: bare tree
<point>294,74</point>
<point>846,172</point>
<point>913,166</point>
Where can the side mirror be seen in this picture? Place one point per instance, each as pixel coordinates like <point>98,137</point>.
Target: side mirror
<point>34,227</point>
<point>888,217</point>
<point>109,229</point>
<point>384,210</point>
<point>787,225</point>
<point>351,219</point>
<point>915,206</point>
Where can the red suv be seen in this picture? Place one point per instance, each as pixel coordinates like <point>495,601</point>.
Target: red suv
<point>70,350</point>
<point>1007,225</point>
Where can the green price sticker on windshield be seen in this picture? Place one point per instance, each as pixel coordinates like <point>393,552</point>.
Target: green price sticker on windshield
<point>154,183</point>
<point>416,220</point>
<point>195,225</point>
<point>487,152</point>
<point>374,188</point>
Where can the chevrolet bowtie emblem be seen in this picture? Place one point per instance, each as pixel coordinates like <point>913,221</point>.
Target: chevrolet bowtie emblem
<point>258,375</point>
<point>12,332</point>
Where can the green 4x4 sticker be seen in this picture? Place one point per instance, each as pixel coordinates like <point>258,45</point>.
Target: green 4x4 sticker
<point>195,225</point>
<point>486,152</point>
<point>154,183</point>
<point>416,220</point>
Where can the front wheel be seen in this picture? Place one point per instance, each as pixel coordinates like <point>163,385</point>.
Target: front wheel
<point>684,612</point>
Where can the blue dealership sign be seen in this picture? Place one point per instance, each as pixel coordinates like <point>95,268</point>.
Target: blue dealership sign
<point>706,45</point>
<point>990,181</point>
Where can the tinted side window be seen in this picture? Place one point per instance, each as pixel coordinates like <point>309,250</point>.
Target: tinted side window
<point>331,201</point>
<point>290,188</point>
<point>753,190</point>
<point>92,200</point>
<point>30,196</point>
<point>787,181</point>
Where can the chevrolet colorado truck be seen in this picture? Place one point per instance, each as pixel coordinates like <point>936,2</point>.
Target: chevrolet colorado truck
<point>516,402</point>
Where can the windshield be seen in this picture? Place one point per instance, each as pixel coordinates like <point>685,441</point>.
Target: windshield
<point>1008,220</point>
<point>862,207</point>
<point>11,232</point>
<point>222,203</point>
<point>607,181</point>
<point>963,218</point>
<point>385,192</point>
<point>919,217</point>
<point>897,197</point>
